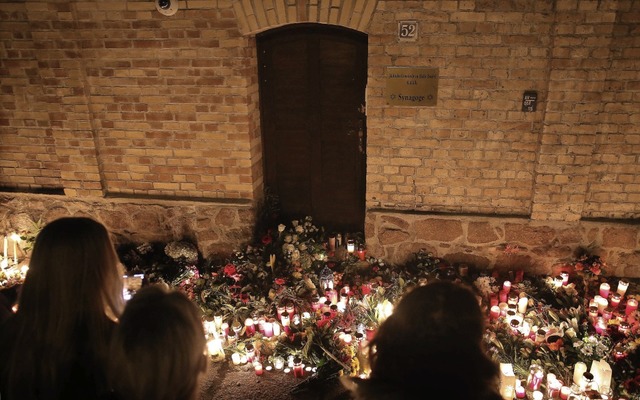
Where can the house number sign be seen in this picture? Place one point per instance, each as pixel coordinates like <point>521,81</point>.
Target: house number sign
<point>408,31</point>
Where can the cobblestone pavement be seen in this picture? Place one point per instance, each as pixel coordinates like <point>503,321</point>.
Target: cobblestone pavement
<point>225,381</point>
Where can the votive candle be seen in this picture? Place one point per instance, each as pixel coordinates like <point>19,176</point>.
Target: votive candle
<point>521,393</point>
<point>632,306</point>
<point>604,289</point>
<point>565,391</point>
<point>523,302</point>
<point>249,327</point>
<point>602,304</point>
<point>623,285</point>
<point>565,278</point>
<point>257,366</point>
<point>268,328</point>
<point>579,369</point>
<point>615,300</point>
<point>506,286</point>
<point>494,312</point>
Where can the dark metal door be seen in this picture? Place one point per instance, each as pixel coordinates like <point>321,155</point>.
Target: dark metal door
<point>312,94</point>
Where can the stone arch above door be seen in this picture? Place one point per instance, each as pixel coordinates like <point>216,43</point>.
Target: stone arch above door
<point>258,15</point>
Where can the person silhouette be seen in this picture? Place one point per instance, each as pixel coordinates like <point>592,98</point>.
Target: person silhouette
<point>158,350</point>
<point>56,344</point>
<point>431,345</point>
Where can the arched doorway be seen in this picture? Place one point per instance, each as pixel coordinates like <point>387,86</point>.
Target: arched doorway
<point>312,93</point>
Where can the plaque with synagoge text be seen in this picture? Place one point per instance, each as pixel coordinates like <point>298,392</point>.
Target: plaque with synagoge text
<point>411,87</point>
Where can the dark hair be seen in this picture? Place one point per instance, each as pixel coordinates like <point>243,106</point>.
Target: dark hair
<point>157,351</point>
<point>73,284</point>
<point>435,336</point>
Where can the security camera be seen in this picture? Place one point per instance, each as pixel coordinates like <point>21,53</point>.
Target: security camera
<point>167,7</point>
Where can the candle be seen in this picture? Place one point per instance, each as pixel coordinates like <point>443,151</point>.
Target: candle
<point>268,328</point>
<point>565,391</point>
<point>615,300</point>
<point>521,393</point>
<point>278,363</point>
<point>276,328</point>
<point>290,309</point>
<point>298,368</point>
<point>578,370</point>
<point>523,302</point>
<point>601,326</point>
<point>622,286</point>
<point>602,303</point>
<point>607,314</point>
<point>251,352</point>
<point>503,296</point>
<point>506,286</point>
<point>494,312</point>
<point>249,327</point>
<point>624,327</point>
<point>332,242</point>
<point>537,395</point>
<point>558,281</point>
<point>16,238</point>
<point>214,347</point>
<point>257,366</point>
<point>235,358</point>
<point>351,246</point>
<point>604,289</point>
<point>632,306</point>
<point>565,278</point>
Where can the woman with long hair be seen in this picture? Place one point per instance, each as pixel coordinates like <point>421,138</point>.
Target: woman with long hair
<point>158,348</point>
<point>432,345</point>
<point>56,344</point>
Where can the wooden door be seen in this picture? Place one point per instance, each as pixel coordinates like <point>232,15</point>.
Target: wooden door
<point>312,94</point>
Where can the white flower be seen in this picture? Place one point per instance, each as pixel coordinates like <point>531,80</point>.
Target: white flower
<point>281,228</point>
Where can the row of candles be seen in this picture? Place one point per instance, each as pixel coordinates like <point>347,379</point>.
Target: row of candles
<point>597,379</point>
<point>601,308</point>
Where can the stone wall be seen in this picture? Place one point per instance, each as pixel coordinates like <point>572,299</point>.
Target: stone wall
<point>216,228</point>
<point>502,243</point>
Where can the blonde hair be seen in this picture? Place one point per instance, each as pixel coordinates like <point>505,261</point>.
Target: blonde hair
<point>73,282</point>
<point>157,351</point>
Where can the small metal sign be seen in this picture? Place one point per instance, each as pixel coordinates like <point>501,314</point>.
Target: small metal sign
<point>407,31</point>
<point>529,101</point>
<point>412,87</point>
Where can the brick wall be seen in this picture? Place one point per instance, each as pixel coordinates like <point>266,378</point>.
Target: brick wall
<point>114,98</point>
<point>111,99</point>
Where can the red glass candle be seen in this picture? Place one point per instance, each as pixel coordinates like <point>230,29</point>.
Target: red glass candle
<point>565,391</point>
<point>249,327</point>
<point>615,300</point>
<point>257,366</point>
<point>298,368</point>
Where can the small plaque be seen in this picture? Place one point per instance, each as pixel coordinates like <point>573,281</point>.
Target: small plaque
<point>408,31</point>
<point>529,101</point>
<point>412,87</point>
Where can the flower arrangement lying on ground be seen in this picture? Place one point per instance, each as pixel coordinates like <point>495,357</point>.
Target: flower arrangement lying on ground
<point>303,297</point>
